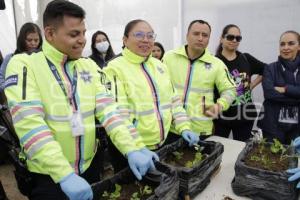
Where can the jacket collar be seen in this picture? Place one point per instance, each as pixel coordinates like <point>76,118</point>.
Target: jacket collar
<point>206,57</point>
<point>55,56</point>
<point>132,57</point>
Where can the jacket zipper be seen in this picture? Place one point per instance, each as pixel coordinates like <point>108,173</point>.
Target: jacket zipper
<point>160,121</point>
<point>116,89</point>
<point>24,83</point>
<point>187,85</point>
<point>76,109</point>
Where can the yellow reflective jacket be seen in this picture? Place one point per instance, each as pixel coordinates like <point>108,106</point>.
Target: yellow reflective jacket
<point>195,84</point>
<point>41,112</point>
<point>146,96</point>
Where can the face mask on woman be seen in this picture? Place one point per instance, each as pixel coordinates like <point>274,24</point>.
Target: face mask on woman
<point>102,46</point>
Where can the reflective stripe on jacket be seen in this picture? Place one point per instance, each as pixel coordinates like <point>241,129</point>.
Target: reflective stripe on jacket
<point>145,94</point>
<point>42,113</point>
<point>195,84</point>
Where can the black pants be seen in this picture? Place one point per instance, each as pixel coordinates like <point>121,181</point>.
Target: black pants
<point>119,162</point>
<point>104,158</point>
<point>284,136</point>
<point>241,130</point>
<point>44,187</point>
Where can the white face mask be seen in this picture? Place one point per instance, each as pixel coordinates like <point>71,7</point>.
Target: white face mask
<point>102,46</point>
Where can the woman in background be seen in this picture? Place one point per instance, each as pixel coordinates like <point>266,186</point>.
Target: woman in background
<point>29,40</point>
<point>158,51</point>
<point>281,85</point>
<point>240,117</point>
<point>101,49</point>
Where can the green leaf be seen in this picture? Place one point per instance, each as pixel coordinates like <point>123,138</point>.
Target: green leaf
<point>147,189</point>
<point>189,164</point>
<point>276,147</point>
<point>178,155</point>
<point>105,194</point>
<point>118,187</point>
<point>135,196</point>
<point>255,158</point>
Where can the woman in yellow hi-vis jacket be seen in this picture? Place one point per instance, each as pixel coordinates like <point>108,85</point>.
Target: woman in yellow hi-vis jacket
<point>142,87</point>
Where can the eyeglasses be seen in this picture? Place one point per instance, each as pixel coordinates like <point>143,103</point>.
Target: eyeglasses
<point>230,37</point>
<point>141,35</point>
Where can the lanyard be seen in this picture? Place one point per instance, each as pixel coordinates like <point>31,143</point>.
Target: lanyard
<point>60,82</point>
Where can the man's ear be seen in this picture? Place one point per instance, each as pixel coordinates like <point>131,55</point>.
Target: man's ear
<point>49,32</point>
<point>124,40</point>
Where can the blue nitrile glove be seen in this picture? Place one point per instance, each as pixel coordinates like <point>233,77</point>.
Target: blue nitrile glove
<point>191,137</point>
<point>76,188</point>
<point>152,154</point>
<point>296,143</point>
<point>139,163</point>
<point>295,175</point>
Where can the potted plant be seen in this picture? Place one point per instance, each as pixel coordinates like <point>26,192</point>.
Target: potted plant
<point>260,171</point>
<point>160,184</point>
<point>194,165</point>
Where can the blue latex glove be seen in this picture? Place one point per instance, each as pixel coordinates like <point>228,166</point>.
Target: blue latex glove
<point>76,188</point>
<point>139,163</point>
<point>191,137</point>
<point>152,154</point>
<point>295,175</point>
<point>296,143</point>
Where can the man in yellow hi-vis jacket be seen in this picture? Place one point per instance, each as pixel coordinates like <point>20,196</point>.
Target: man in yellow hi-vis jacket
<point>54,96</point>
<point>195,73</point>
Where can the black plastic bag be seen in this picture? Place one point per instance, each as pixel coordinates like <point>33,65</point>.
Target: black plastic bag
<point>262,184</point>
<point>194,180</point>
<point>165,182</point>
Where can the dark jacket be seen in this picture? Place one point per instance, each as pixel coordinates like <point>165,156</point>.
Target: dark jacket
<point>281,111</point>
<point>98,60</point>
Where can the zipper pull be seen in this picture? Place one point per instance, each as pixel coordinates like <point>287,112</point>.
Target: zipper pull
<point>24,83</point>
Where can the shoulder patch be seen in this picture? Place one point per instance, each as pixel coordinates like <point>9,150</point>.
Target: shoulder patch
<point>160,69</point>
<point>207,66</point>
<point>11,80</point>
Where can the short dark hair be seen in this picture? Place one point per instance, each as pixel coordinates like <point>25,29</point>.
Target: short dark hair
<point>110,53</point>
<point>198,21</point>
<point>26,29</point>
<point>57,9</point>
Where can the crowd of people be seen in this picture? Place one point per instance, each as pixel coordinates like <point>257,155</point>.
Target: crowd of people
<point>143,98</point>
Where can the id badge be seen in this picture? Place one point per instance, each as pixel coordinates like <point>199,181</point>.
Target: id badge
<point>77,124</point>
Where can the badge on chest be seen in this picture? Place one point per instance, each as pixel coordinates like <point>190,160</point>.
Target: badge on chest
<point>77,124</point>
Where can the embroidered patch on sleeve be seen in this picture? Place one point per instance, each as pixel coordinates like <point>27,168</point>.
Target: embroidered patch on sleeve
<point>11,80</point>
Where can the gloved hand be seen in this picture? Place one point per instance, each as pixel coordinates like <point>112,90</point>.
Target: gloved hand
<point>296,143</point>
<point>76,188</point>
<point>139,163</point>
<point>191,137</point>
<point>152,154</point>
<point>295,175</point>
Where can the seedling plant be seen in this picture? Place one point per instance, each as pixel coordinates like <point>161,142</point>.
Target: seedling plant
<point>186,157</point>
<point>142,191</point>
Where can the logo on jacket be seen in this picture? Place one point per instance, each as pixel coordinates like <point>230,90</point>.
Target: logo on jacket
<point>85,76</point>
<point>160,69</point>
<point>207,66</point>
